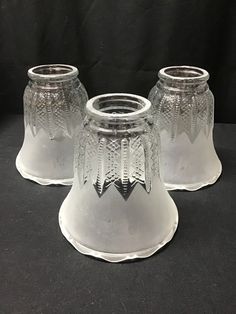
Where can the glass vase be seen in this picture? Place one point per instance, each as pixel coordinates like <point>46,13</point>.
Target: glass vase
<point>54,101</point>
<point>118,208</point>
<point>184,108</point>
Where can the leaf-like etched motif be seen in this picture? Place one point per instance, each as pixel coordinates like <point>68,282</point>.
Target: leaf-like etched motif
<point>179,112</point>
<point>56,110</point>
<point>119,161</point>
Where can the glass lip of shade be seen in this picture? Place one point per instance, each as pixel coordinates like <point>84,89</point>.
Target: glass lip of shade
<point>190,74</point>
<point>53,72</point>
<point>114,117</point>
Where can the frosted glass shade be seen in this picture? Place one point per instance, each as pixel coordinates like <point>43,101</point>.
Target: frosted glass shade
<point>53,107</point>
<point>184,110</point>
<point>118,208</point>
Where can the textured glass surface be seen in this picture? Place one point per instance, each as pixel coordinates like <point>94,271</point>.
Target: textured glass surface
<point>53,104</point>
<point>118,207</point>
<point>184,107</point>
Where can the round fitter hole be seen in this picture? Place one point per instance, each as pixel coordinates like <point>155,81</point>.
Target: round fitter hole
<point>184,72</point>
<point>52,70</point>
<point>118,106</point>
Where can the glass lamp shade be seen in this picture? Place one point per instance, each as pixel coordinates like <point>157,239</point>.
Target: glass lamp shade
<point>184,109</point>
<point>54,101</point>
<point>118,208</point>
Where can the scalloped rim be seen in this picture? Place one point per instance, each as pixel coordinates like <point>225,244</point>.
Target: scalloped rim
<point>120,257</point>
<point>41,181</point>
<point>195,186</point>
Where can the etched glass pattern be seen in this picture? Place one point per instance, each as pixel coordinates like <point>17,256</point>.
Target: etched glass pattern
<point>184,107</point>
<point>54,110</point>
<point>118,207</point>
<point>118,161</point>
<point>53,107</point>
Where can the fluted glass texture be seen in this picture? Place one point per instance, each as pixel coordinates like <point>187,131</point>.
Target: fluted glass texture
<point>118,207</point>
<point>184,109</point>
<point>54,101</point>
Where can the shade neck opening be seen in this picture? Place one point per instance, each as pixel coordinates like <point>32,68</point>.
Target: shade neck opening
<point>117,108</point>
<point>184,74</point>
<point>53,72</point>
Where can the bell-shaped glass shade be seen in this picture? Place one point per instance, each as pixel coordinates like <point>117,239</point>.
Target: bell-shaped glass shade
<point>184,109</point>
<point>54,101</point>
<point>118,208</point>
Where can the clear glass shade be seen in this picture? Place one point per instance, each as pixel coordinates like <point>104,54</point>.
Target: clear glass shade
<point>54,101</point>
<point>118,208</point>
<point>184,109</point>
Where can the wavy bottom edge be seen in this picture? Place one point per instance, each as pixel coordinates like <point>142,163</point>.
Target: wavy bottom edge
<point>41,181</point>
<point>119,257</point>
<point>195,186</point>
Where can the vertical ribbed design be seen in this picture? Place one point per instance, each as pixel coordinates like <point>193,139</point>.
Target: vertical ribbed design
<point>194,129</point>
<point>100,184</point>
<point>125,160</point>
<point>175,116</point>
<point>148,162</point>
